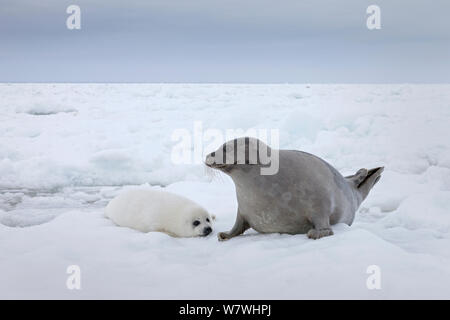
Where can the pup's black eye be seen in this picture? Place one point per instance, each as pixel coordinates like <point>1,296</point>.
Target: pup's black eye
<point>207,219</point>
<point>196,223</point>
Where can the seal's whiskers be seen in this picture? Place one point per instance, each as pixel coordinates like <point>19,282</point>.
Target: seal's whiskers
<point>213,174</point>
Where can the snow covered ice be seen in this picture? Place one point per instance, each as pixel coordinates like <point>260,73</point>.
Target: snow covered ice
<point>67,149</point>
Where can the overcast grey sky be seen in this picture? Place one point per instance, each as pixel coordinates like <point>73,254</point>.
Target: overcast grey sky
<point>319,41</point>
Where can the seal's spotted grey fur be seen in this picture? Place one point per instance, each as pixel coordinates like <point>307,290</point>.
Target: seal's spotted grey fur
<point>306,195</point>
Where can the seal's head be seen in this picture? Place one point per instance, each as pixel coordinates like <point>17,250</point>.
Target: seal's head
<point>240,154</point>
<point>193,222</point>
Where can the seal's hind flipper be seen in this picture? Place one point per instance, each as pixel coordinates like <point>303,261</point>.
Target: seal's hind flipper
<point>364,179</point>
<point>373,175</point>
<point>358,177</point>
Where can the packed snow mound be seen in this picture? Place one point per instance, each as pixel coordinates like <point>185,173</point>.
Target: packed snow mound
<point>44,109</point>
<point>92,133</point>
<point>68,149</point>
<point>123,263</point>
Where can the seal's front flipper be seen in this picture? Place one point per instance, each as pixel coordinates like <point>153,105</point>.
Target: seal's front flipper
<point>321,227</point>
<point>240,225</point>
<point>319,233</point>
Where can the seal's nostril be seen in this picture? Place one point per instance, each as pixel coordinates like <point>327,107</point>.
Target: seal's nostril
<point>207,231</point>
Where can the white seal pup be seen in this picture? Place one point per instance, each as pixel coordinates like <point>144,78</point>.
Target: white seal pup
<point>303,195</point>
<point>153,210</point>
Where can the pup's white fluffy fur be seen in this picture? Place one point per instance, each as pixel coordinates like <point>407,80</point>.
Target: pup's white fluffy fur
<point>152,210</point>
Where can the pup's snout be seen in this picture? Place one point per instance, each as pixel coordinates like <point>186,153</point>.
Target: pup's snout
<point>207,231</point>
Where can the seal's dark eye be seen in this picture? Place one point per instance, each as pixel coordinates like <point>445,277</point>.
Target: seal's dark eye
<point>196,223</point>
<point>207,219</point>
